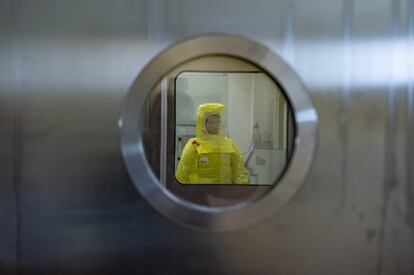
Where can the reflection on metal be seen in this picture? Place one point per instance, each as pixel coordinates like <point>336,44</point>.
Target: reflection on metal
<point>306,116</point>
<point>216,218</point>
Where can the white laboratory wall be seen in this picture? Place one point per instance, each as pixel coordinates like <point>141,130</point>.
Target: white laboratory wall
<point>240,110</point>
<point>195,88</point>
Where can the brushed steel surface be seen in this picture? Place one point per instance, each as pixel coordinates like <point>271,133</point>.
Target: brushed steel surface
<point>68,205</point>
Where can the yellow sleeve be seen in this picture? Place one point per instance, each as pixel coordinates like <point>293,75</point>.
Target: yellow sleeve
<point>186,165</point>
<point>240,174</point>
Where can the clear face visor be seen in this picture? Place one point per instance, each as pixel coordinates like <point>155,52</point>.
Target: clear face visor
<point>213,123</point>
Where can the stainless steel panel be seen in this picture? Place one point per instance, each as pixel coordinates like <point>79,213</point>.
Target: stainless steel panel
<point>68,205</point>
<point>9,145</point>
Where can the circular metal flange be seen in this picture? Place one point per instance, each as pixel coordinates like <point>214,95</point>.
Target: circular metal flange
<point>239,215</point>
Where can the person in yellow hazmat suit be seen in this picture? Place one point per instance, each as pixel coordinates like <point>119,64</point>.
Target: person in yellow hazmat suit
<point>211,157</point>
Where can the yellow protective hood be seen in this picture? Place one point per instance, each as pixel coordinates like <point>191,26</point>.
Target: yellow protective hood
<point>203,112</point>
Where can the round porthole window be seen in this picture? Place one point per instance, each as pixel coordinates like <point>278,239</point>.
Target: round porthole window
<point>217,132</point>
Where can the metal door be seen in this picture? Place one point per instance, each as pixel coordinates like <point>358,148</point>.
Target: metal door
<point>68,205</point>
